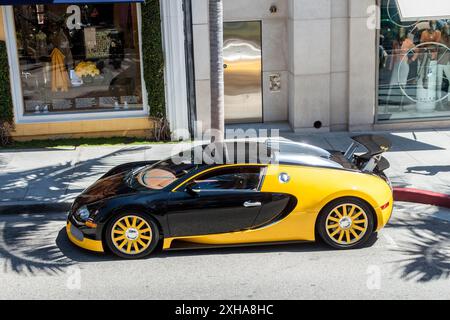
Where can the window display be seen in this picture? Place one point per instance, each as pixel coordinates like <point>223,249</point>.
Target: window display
<point>414,69</point>
<point>79,58</point>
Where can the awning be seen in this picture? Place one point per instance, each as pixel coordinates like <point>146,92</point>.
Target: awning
<point>413,10</point>
<point>16,2</point>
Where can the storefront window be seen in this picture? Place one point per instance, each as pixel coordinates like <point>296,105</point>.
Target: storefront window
<point>414,70</point>
<point>79,58</point>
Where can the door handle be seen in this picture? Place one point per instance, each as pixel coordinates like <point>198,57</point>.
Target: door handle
<point>250,204</point>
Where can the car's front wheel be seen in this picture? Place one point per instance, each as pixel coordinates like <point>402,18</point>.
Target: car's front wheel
<point>132,235</point>
<point>346,223</point>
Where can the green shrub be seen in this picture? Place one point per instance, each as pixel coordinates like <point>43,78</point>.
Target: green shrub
<point>6,107</point>
<point>153,58</point>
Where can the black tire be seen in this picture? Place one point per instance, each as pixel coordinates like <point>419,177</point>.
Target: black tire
<point>330,234</point>
<point>153,235</point>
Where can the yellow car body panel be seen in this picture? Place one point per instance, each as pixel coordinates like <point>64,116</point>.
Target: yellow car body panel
<point>314,188</point>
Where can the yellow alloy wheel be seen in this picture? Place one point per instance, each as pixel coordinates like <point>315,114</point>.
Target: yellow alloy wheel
<point>346,224</point>
<point>131,235</point>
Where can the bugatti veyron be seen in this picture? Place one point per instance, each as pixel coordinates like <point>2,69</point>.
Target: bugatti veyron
<point>298,192</point>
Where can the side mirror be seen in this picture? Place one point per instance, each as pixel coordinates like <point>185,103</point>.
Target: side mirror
<point>190,190</point>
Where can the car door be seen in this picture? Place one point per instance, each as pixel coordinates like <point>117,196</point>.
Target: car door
<point>221,200</point>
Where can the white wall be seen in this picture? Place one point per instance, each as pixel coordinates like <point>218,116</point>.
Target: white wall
<point>310,63</point>
<point>200,31</point>
<point>362,66</point>
<point>339,98</point>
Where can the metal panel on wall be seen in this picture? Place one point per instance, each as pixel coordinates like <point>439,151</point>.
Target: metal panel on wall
<point>243,72</point>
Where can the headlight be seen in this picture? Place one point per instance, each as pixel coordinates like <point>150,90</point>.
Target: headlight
<point>83,213</point>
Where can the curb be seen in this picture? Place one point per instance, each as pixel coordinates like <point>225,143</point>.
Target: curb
<point>27,207</point>
<point>422,196</point>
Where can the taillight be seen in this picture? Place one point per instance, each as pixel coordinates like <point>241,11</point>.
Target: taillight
<point>385,206</point>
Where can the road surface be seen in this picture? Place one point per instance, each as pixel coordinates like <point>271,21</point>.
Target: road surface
<point>410,259</point>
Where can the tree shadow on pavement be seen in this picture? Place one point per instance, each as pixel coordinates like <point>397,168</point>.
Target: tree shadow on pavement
<point>402,144</point>
<point>27,241</point>
<point>427,248</point>
<point>59,183</point>
<point>428,170</point>
<point>27,244</point>
<point>33,244</point>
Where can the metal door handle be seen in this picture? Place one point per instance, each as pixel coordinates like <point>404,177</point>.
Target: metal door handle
<point>250,204</point>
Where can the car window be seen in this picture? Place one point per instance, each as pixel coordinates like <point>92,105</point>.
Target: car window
<point>235,178</point>
<point>157,179</point>
<point>162,174</point>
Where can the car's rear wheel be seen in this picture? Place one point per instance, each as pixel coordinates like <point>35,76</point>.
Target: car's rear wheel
<point>346,223</point>
<point>132,235</point>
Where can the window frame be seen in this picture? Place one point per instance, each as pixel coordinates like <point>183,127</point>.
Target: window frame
<point>16,82</point>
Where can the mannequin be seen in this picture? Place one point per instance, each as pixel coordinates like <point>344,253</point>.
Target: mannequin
<point>41,44</point>
<point>444,65</point>
<point>432,34</point>
<point>399,64</point>
<point>427,73</point>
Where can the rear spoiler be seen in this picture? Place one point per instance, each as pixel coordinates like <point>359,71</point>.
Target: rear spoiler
<point>375,145</point>
<point>372,159</point>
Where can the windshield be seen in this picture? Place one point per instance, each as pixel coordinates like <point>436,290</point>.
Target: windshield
<point>162,174</point>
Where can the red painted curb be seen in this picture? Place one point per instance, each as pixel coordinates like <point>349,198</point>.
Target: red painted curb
<point>422,196</point>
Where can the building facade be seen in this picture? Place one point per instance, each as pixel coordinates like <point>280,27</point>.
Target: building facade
<point>317,65</point>
<point>327,65</point>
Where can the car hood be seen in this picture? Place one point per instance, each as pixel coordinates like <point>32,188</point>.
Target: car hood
<point>104,188</point>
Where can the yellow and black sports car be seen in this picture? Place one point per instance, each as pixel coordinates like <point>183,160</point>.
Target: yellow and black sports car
<point>298,193</point>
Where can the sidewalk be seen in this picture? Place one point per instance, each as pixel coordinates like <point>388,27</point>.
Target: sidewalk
<point>419,159</point>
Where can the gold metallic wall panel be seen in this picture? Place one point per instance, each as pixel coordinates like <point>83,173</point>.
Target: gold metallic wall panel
<point>243,67</point>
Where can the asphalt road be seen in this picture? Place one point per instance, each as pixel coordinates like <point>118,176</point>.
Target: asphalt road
<point>410,259</point>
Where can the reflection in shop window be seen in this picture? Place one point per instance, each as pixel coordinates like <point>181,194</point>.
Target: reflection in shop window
<point>79,58</point>
<point>414,70</point>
